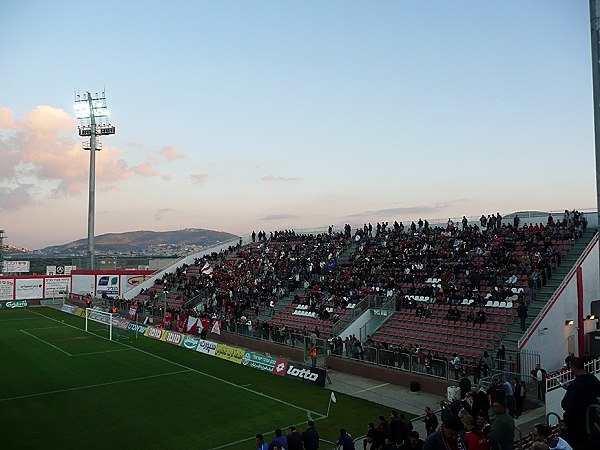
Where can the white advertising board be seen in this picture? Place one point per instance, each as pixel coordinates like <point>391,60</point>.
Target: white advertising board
<point>56,286</point>
<point>82,284</point>
<point>107,284</point>
<point>131,281</point>
<point>28,288</point>
<point>15,266</point>
<point>7,288</point>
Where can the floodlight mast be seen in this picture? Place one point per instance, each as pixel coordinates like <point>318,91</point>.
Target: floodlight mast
<point>92,115</point>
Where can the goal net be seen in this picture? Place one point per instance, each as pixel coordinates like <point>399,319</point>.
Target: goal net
<point>97,320</point>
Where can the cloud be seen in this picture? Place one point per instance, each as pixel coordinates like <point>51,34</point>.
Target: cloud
<point>274,178</point>
<point>199,178</point>
<point>171,153</point>
<point>43,146</point>
<point>279,217</point>
<point>147,168</point>
<point>410,210</point>
<point>7,121</point>
<point>17,198</point>
<point>133,144</point>
<point>160,213</point>
<point>396,211</point>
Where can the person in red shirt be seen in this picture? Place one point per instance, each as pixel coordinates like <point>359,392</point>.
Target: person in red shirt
<point>474,437</point>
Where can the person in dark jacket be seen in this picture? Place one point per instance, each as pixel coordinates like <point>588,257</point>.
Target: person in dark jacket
<point>396,428</point>
<point>582,392</point>
<point>310,437</point>
<point>345,440</point>
<point>447,437</point>
<point>431,421</point>
<point>294,440</point>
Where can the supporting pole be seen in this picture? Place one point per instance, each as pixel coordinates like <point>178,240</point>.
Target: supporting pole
<point>92,185</point>
<point>595,46</point>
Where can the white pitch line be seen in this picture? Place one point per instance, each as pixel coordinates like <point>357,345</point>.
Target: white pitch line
<point>105,351</point>
<point>261,394</point>
<point>370,389</point>
<point>43,328</point>
<point>22,318</point>
<point>47,343</point>
<point>91,386</point>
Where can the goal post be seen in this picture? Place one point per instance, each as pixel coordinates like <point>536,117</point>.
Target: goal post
<point>103,317</point>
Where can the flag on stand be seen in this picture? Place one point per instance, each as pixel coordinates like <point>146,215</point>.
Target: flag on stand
<point>333,399</point>
<point>216,328</point>
<point>207,270</point>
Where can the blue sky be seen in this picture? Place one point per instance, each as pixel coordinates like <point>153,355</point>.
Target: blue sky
<point>241,116</point>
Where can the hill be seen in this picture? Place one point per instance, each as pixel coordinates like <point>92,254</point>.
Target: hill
<point>143,242</point>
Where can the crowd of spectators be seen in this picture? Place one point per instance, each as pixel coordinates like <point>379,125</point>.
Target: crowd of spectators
<point>445,265</point>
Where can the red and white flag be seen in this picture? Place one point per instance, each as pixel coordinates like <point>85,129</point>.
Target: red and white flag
<point>192,325</point>
<point>132,311</point>
<point>216,328</point>
<point>207,270</point>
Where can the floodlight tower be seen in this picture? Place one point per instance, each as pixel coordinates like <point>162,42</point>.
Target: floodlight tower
<point>92,114</point>
<point>2,237</point>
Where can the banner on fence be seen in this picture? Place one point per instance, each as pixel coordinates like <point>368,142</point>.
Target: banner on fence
<point>7,288</point>
<point>13,305</point>
<point>229,353</point>
<point>207,347</point>
<point>259,361</point>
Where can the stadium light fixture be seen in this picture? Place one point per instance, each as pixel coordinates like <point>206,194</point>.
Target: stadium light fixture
<point>569,322</point>
<point>92,115</point>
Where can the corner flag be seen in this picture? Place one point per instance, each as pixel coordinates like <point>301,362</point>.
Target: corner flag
<point>333,399</point>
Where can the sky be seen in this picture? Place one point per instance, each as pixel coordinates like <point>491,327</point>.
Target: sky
<point>267,115</point>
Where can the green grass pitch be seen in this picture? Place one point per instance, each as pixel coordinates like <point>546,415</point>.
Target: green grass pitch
<point>61,387</point>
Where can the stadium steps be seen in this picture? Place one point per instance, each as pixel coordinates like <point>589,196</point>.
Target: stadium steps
<point>514,332</point>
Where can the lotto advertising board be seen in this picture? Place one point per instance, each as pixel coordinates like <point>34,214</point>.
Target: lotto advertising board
<point>303,373</point>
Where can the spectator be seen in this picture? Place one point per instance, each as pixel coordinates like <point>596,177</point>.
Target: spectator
<point>414,442</point>
<point>310,437</point>
<point>260,442</point>
<point>543,433</point>
<point>279,439</point>
<point>294,440</point>
<point>474,437</point>
<point>502,433</point>
<point>345,440</point>
<point>582,392</point>
<point>447,437</point>
<point>431,421</point>
<point>539,375</point>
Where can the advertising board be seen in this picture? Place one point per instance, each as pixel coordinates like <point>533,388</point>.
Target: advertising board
<point>28,288</point>
<point>7,288</point>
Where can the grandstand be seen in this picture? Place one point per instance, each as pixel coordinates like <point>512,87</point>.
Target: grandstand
<point>392,303</point>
